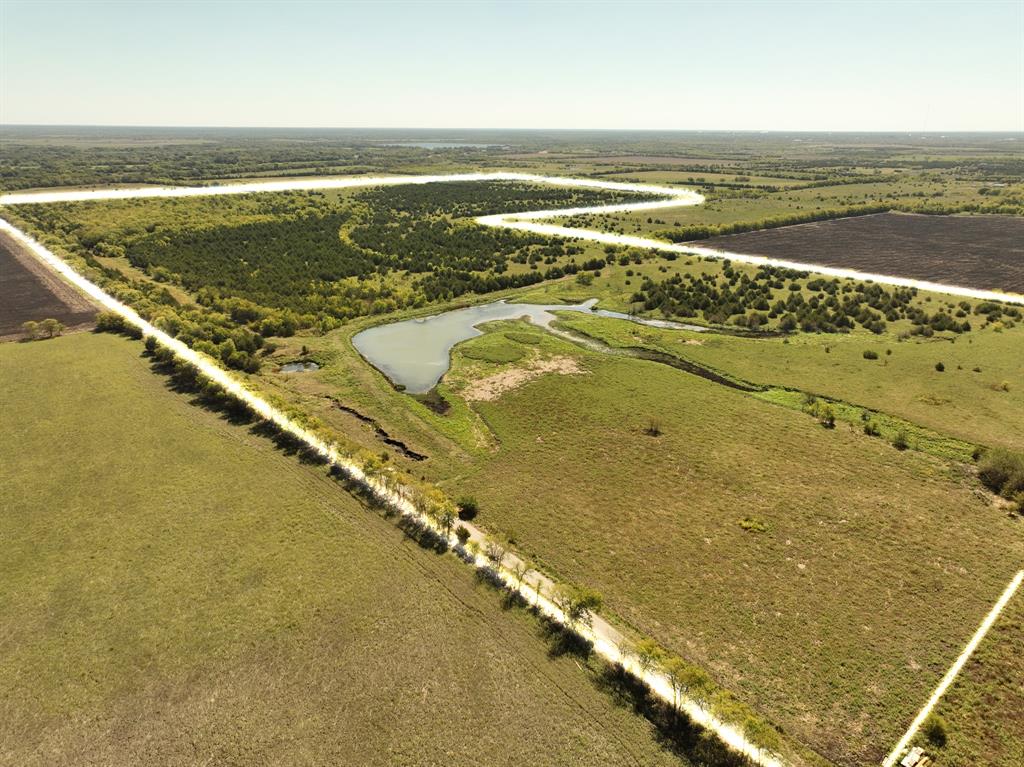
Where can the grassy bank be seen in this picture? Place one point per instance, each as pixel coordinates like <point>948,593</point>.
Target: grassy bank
<point>975,398</point>
<point>796,563</point>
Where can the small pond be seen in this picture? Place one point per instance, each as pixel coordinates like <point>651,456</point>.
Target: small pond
<point>299,367</point>
<point>414,354</point>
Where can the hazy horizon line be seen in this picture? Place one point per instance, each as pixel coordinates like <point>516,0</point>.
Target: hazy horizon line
<point>510,130</point>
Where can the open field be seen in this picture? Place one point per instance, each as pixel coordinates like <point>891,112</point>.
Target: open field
<point>974,251</point>
<point>33,293</point>
<point>984,710</point>
<point>756,208</point>
<point>967,400</point>
<point>177,591</point>
<point>654,522</point>
<point>844,569</point>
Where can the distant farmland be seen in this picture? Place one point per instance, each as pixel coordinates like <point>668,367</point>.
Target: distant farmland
<point>32,292</point>
<point>984,252</point>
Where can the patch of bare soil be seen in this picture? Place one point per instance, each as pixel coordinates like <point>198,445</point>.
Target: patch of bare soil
<point>493,386</point>
<point>985,252</point>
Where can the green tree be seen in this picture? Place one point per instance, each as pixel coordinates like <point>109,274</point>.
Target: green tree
<point>30,329</point>
<point>51,327</point>
<point>648,654</point>
<point>762,735</point>
<point>577,603</point>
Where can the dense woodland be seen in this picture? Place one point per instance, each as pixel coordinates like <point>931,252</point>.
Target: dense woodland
<point>311,260</point>
<point>778,297</point>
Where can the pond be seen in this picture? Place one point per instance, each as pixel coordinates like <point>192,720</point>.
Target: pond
<point>299,367</point>
<point>414,354</point>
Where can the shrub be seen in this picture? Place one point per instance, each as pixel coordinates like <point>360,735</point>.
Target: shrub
<point>870,355</point>
<point>653,427</point>
<point>871,429</point>
<point>901,441</point>
<point>753,525</point>
<point>468,508</point>
<point>935,730</point>
<point>827,417</point>
<point>939,366</point>
<point>462,533</point>
<point>822,411</point>
<point>109,322</point>
<point>1002,471</point>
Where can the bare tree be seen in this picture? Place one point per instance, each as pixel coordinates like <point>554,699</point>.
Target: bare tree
<point>520,568</point>
<point>495,552</point>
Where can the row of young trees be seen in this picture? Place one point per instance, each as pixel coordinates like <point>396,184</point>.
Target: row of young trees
<point>47,328</point>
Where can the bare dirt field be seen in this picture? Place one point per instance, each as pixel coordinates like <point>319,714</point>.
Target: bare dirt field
<point>972,251</point>
<point>28,291</point>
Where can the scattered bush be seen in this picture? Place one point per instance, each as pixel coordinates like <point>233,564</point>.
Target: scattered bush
<point>653,427</point>
<point>940,367</point>
<point>871,429</point>
<point>870,355</point>
<point>901,441</point>
<point>1002,471</point>
<point>468,508</point>
<point>822,411</point>
<point>935,730</point>
<point>462,533</point>
<point>754,525</point>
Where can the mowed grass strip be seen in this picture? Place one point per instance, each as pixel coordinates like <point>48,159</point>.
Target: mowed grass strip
<point>176,591</point>
<point>834,615</point>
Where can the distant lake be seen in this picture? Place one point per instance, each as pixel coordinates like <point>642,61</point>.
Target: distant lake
<point>442,144</point>
<point>415,354</point>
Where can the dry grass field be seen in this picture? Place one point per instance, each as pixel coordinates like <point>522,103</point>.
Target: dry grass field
<point>177,591</point>
<point>821,611</point>
<point>984,710</point>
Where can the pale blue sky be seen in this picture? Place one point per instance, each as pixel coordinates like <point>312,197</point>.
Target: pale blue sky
<point>669,65</point>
